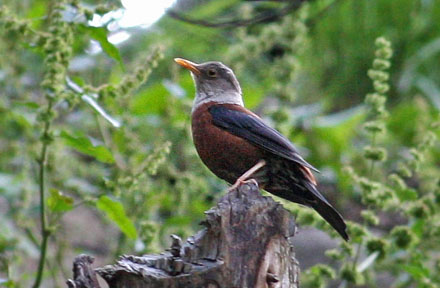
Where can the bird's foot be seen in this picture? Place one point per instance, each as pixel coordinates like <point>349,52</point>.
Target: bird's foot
<point>242,179</point>
<point>237,184</point>
<point>240,182</point>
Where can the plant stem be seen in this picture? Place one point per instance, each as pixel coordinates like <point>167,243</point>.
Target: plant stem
<point>119,160</point>
<point>358,253</point>
<point>45,233</point>
<point>373,143</point>
<point>359,247</point>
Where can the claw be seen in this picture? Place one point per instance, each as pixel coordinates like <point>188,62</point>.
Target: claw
<point>242,179</point>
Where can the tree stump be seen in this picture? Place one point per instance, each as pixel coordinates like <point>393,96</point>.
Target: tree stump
<point>84,276</point>
<point>246,243</point>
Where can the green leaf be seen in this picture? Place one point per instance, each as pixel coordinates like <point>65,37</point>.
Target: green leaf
<point>78,80</point>
<point>407,194</point>
<point>37,11</point>
<point>85,146</point>
<point>58,202</point>
<point>115,212</point>
<point>100,34</point>
<point>28,104</point>
<point>180,221</point>
<point>335,130</point>
<point>418,272</point>
<point>253,95</point>
<point>151,100</point>
<point>418,227</point>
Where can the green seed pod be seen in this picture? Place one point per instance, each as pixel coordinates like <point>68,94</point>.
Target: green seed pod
<point>113,93</point>
<point>148,230</point>
<point>384,53</point>
<point>307,218</point>
<point>368,185</point>
<point>375,100</point>
<point>435,125</point>
<point>334,254</point>
<point>23,28</point>
<point>381,64</point>
<point>381,87</point>
<point>403,170</point>
<point>375,153</point>
<point>437,196</point>
<point>140,75</point>
<point>356,230</point>
<point>378,75</point>
<point>417,155</point>
<point>381,42</point>
<point>419,210</point>
<point>351,275</point>
<point>397,181</point>
<point>253,46</point>
<point>130,83</point>
<point>325,271</point>
<point>271,33</point>
<point>281,115</point>
<point>428,140</point>
<point>102,9</point>
<point>47,138</point>
<point>122,90</point>
<point>347,248</point>
<point>403,236</point>
<point>10,24</point>
<point>88,14</point>
<point>370,198</point>
<point>3,11</point>
<point>374,126</point>
<point>103,93</point>
<point>370,217</point>
<point>377,245</point>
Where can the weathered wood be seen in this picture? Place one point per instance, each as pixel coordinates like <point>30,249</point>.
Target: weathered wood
<point>83,275</point>
<point>246,243</point>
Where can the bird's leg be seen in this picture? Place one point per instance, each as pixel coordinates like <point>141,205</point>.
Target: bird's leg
<point>247,174</point>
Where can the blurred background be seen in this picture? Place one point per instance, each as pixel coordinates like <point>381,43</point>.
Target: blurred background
<point>95,116</point>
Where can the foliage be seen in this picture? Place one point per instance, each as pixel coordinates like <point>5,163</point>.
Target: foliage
<point>102,141</point>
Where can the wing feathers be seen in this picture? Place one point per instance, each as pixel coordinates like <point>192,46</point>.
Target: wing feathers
<point>253,129</point>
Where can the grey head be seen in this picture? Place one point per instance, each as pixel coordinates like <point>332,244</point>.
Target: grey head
<point>215,82</point>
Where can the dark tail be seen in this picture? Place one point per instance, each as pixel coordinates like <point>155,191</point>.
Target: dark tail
<point>311,197</point>
<point>331,216</point>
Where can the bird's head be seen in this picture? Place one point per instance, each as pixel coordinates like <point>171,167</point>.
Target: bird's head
<point>215,82</point>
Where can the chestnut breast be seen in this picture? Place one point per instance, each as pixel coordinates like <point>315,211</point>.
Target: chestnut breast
<point>226,155</point>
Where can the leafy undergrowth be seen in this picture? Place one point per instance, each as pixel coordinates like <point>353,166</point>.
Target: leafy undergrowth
<point>96,149</point>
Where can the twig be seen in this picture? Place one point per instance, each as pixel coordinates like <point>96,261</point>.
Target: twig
<point>266,16</point>
<point>31,237</point>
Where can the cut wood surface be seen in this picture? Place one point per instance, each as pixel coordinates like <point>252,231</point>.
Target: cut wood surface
<point>246,242</point>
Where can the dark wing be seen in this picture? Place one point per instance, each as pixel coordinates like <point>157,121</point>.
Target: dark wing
<point>254,130</point>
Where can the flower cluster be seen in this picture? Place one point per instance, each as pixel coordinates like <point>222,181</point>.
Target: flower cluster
<point>133,81</point>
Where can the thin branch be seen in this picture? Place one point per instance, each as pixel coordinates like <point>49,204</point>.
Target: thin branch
<point>266,16</point>
<point>44,231</point>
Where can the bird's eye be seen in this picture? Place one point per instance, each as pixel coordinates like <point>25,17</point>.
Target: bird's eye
<point>212,73</point>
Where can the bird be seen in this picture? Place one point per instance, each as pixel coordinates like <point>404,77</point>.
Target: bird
<point>237,145</point>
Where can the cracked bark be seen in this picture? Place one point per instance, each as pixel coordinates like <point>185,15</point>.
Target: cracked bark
<point>246,243</point>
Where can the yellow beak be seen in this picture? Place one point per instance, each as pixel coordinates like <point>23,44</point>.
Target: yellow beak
<point>188,65</point>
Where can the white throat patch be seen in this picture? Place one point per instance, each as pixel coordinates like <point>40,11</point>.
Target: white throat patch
<point>227,98</point>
